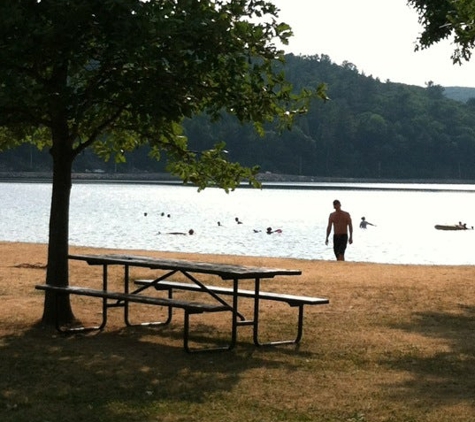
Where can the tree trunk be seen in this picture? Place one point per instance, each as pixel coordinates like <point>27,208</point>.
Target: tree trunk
<point>57,273</point>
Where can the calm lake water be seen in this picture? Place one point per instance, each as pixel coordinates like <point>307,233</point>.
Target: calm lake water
<point>129,216</point>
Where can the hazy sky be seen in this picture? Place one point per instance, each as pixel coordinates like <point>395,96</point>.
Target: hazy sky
<point>377,36</point>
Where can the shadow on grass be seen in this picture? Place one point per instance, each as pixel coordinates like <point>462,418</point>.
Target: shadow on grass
<point>445,376</point>
<point>126,374</point>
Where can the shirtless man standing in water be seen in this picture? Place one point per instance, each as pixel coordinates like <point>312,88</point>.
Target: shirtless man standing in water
<point>341,221</point>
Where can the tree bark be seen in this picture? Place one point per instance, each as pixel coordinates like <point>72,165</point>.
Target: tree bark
<point>57,273</point>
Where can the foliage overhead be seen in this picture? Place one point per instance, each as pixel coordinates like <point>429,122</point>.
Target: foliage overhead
<point>443,19</point>
<point>117,74</point>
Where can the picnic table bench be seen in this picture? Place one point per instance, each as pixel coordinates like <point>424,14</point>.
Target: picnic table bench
<point>291,300</point>
<point>122,299</point>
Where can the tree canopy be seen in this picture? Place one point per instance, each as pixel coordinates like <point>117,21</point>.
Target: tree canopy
<point>116,74</point>
<point>443,19</point>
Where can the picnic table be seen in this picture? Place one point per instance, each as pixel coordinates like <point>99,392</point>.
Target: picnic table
<point>223,299</point>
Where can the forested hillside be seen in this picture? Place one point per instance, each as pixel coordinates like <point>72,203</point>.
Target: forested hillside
<point>460,93</point>
<point>369,129</point>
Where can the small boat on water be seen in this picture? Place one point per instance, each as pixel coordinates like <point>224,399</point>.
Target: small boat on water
<point>451,227</point>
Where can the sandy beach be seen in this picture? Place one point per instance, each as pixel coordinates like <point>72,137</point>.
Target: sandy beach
<point>349,285</point>
<point>395,339</point>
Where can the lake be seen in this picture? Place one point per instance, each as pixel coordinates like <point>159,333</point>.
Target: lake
<point>140,216</point>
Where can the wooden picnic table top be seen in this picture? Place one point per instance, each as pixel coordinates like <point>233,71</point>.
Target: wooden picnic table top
<point>225,271</point>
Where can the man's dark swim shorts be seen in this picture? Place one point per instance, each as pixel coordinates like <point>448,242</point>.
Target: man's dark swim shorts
<point>339,244</point>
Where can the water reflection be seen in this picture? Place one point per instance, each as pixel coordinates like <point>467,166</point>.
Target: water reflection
<point>130,216</point>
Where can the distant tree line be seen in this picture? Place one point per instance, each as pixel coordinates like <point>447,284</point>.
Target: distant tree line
<point>368,129</point>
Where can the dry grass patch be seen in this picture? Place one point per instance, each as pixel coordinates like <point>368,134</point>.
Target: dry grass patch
<point>395,344</point>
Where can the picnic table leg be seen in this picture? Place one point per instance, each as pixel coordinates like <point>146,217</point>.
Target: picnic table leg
<point>82,329</point>
<point>126,290</point>
<point>186,336</point>
<point>257,287</point>
<point>72,330</point>
<point>126,305</point>
<point>257,342</point>
<point>235,313</point>
<point>235,322</point>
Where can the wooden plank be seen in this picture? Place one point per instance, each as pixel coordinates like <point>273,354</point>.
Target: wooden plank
<point>83,291</point>
<point>225,271</point>
<point>290,299</point>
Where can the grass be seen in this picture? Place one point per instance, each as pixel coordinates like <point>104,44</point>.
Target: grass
<point>396,344</point>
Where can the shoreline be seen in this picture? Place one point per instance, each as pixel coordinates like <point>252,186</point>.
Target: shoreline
<point>268,180</point>
<point>223,257</point>
<point>263,177</point>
